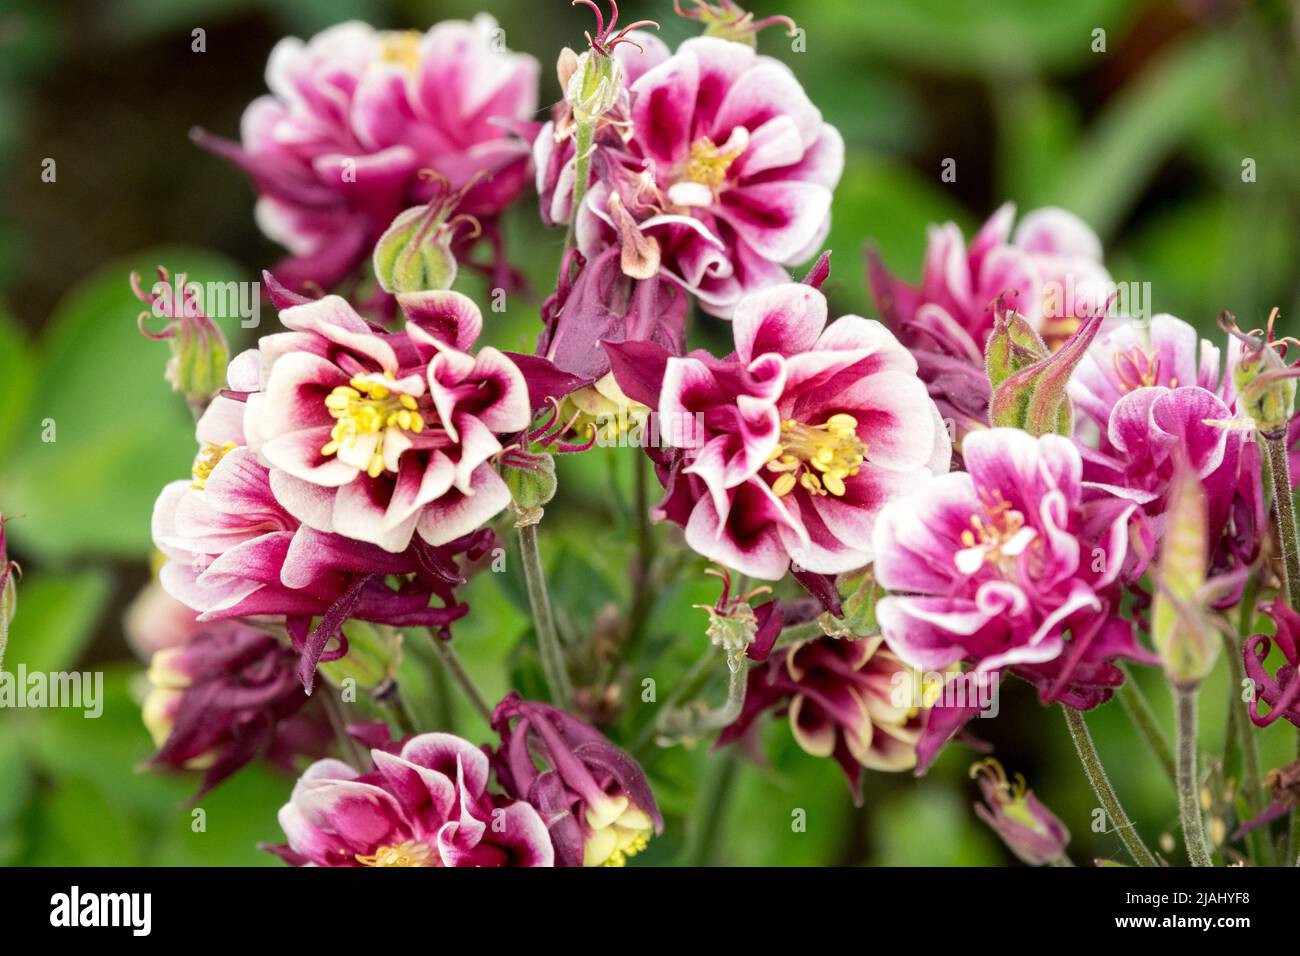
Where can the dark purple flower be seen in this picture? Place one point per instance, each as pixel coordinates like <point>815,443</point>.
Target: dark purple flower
<point>1281,690</point>
<point>594,798</point>
<point>1029,830</point>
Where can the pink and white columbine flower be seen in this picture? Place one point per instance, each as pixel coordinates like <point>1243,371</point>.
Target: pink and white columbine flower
<point>726,166</point>
<point>1004,566</point>
<point>1157,400</point>
<point>427,805</point>
<point>355,114</point>
<point>1049,270</point>
<point>793,443</point>
<point>235,551</point>
<point>382,437</point>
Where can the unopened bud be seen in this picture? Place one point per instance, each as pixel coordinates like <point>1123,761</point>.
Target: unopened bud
<point>1181,631</point>
<point>199,355</point>
<point>1033,397</point>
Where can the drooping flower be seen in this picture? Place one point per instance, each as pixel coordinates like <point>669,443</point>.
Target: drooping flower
<point>226,696</point>
<point>1027,828</point>
<point>234,550</point>
<point>426,805</point>
<point>355,114</point>
<point>1280,690</point>
<point>155,620</point>
<point>1005,566</point>
<point>385,437</point>
<point>1048,271</point>
<point>846,699</point>
<point>789,446</point>
<point>720,174</point>
<point>594,798</point>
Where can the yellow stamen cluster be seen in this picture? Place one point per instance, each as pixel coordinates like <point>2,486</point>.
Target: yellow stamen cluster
<point>401,47</point>
<point>363,408</point>
<point>207,459</point>
<point>617,831</point>
<point>993,529</point>
<point>410,853</point>
<point>817,457</point>
<point>708,164</point>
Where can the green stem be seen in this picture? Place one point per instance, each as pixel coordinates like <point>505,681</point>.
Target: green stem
<point>388,697</point>
<point>583,137</point>
<point>450,660</point>
<point>689,723</point>
<point>351,751</point>
<point>548,639</point>
<point>1189,803</point>
<point>1284,506</point>
<point>1096,774</point>
<point>703,841</point>
<point>1139,711</point>
<point>687,687</point>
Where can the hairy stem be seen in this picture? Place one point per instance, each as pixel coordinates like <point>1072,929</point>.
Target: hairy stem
<point>450,660</point>
<point>583,137</point>
<point>1251,781</point>
<point>1284,506</point>
<point>1189,804</point>
<point>548,639</point>
<point>690,722</point>
<point>1139,712</point>
<point>1096,774</point>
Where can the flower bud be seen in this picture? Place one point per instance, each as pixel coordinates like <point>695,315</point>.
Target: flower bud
<point>1029,829</point>
<point>593,87</point>
<point>594,798</point>
<point>1265,384</point>
<point>531,480</point>
<point>1013,345</point>
<point>199,355</point>
<point>414,253</point>
<point>1033,396</point>
<point>1185,639</point>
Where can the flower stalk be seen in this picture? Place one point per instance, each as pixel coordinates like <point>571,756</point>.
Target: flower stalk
<point>548,639</point>
<point>1101,786</point>
<point>450,660</point>
<point>1189,807</point>
<point>1143,718</point>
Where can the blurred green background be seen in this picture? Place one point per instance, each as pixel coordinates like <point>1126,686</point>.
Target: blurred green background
<point>1146,141</point>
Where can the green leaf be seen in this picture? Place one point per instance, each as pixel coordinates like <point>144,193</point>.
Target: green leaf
<point>94,448</point>
<point>56,617</point>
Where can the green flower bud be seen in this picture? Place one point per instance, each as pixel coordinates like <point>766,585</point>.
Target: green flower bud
<point>1183,635</point>
<point>1032,396</point>
<point>1266,385</point>
<point>531,480</point>
<point>414,253</point>
<point>199,354</point>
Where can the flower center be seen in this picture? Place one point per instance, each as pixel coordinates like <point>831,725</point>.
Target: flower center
<point>612,842</point>
<point>817,457</point>
<point>366,411</point>
<point>410,853</point>
<point>1138,369</point>
<point>207,459</point>
<point>708,164</point>
<point>401,47</point>
<point>991,532</point>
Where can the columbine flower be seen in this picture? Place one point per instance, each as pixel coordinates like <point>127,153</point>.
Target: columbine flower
<point>426,805</point>
<point>227,695</point>
<point>1049,271</point>
<point>791,445</point>
<point>1005,567</point>
<point>234,550</point>
<point>155,620</point>
<point>1029,830</point>
<point>1158,401</point>
<point>380,437</point>
<point>845,700</point>
<point>721,174</point>
<point>353,116</point>
<point>594,798</point>
<point>1281,690</point>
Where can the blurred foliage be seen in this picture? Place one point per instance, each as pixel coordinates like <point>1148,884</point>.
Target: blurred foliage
<point>1145,140</point>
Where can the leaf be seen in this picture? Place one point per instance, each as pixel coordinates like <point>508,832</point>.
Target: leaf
<point>56,617</point>
<point>106,432</point>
